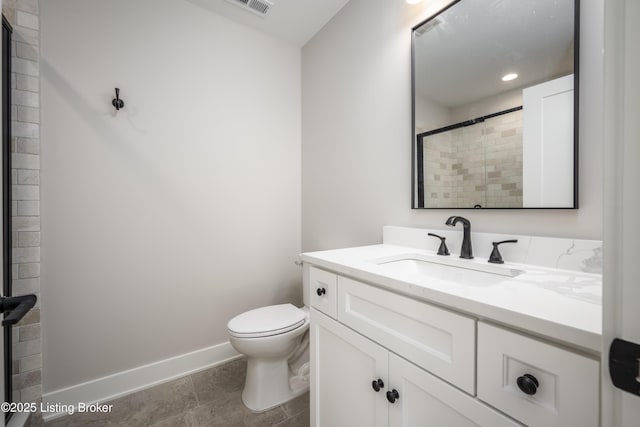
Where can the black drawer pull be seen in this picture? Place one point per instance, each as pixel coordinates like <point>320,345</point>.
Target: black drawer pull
<point>377,385</point>
<point>528,384</point>
<point>321,291</point>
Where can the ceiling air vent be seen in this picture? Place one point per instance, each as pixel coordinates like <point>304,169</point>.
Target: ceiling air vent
<point>426,27</point>
<point>259,7</point>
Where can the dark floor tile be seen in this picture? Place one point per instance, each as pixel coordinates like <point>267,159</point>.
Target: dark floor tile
<point>157,403</point>
<point>143,408</point>
<point>297,405</point>
<point>179,420</point>
<point>81,420</point>
<point>229,411</point>
<point>222,380</point>
<point>303,419</point>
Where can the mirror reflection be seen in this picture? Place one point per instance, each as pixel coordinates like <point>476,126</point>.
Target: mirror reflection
<point>493,103</point>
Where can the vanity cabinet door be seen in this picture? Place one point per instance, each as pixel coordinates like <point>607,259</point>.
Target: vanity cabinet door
<point>343,366</point>
<point>424,401</point>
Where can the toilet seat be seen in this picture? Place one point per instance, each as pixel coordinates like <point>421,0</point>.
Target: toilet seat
<point>267,321</point>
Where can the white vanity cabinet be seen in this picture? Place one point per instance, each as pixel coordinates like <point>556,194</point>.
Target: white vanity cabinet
<point>381,358</point>
<point>345,365</point>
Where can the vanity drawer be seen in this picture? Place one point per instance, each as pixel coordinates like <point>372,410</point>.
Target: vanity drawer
<point>323,291</point>
<point>568,383</point>
<point>436,340</point>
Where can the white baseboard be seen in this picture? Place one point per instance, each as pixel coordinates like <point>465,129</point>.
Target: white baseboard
<point>136,379</point>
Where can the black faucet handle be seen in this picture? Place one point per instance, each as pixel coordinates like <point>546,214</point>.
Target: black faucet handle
<point>442,250</point>
<point>496,257</point>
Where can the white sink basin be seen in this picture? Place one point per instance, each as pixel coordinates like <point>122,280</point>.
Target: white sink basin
<point>450,268</point>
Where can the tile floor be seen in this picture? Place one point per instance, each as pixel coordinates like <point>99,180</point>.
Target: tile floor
<point>206,398</point>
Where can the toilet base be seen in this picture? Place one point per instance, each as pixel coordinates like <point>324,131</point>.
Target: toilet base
<point>267,384</point>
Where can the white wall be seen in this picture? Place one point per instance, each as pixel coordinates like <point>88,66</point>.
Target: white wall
<point>356,132</point>
<point>430,115</point>
<point>163,221</point>
<point>484,107</point>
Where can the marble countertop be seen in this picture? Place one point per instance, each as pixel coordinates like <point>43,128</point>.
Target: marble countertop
<point>560,305</point>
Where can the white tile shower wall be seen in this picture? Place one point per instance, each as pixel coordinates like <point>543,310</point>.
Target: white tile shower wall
<point>475,165</point>
<point>25,147</point>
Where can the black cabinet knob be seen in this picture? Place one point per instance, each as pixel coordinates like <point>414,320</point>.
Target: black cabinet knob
<point>392,395</point>
<point>377,384</point>
<point>528,384</point>
<point>321,291</point>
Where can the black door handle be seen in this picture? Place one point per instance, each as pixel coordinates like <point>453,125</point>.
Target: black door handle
<point>17,307</point>
<point>377,385</point>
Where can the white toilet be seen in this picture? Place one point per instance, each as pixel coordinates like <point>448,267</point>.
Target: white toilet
<point>275,341</point>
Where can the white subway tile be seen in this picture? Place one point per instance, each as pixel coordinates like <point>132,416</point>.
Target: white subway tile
<point>31,363</point>
<point>25,255</point>
<point>25,66</point>
<point>27,20</point>
<point>31,394</point>
<point>29,270</point>
<point>25,98</point>
<point>28,130</point>
<point>28,146</point>
<point>24,82</point>
<point>26,35</point>
<point>29,332</point>
<point>28,114</point>
<point>26,348</point>
<point>25,192</point>
<point>28,208</point>
<point>25,161</point>
<point>26,223</point>
<point>30,6</point>
<point>26,286</point>
<point>28,238</point>
<point>28,177</point>
<point>27,51</point>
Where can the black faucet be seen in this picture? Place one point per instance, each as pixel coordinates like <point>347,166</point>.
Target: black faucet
<point>466,252</point>
<point>496,257</point>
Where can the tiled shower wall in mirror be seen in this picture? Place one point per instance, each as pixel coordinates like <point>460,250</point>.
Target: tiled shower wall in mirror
<point>480,164</point>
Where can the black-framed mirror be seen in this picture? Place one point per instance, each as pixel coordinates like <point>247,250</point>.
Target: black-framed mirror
<point>495,105</point>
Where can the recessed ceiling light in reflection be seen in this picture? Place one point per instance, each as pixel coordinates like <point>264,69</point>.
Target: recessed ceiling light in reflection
<point>509,77</point>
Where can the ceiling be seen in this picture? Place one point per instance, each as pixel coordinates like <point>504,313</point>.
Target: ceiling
<point>295,21</point>
<point>465,51</point>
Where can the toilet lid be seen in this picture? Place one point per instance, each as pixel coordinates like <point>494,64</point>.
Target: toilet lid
<point>265,321</point>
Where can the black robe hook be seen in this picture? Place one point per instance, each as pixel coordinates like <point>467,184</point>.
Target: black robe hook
<point>117,102</point>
